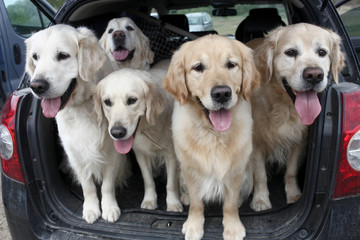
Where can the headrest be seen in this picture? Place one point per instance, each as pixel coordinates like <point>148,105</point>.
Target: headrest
<point>259,21</point>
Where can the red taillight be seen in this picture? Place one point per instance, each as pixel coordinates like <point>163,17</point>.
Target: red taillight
<point>348,172</point>
<point>10,161</point>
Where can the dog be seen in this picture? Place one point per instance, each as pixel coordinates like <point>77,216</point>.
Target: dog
<point>65,64</point>
<point>138,111</point>
<point>126,45</point>
<point>211,79</point>
<point>294,63</point>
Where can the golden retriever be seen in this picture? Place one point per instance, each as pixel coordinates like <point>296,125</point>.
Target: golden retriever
<point>211,79</point>
<point>65,63</point>
<point>294,62</point>
<point>126,45</point>
<point>138,111</point>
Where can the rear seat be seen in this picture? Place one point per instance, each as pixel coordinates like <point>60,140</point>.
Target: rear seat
<point>259,21</point>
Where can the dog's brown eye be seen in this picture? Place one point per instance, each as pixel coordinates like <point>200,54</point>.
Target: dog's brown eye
<point>35,56</point>
<point>291,52</point>
<point>110,30</point>
<point>322,52</point>
<point>129,28</point>
<point>107,102</point>
<point>62,56</point>
<point>199,67</point>
<point>131,100</point>
<point>230,64</point>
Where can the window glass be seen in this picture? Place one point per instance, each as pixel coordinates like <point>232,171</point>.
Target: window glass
<point>25,17</point>
<point>224,25</point>
<point>350,15</point>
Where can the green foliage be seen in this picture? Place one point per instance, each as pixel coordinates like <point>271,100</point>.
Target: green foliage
<point>56,3</point>
<point>23,11</point>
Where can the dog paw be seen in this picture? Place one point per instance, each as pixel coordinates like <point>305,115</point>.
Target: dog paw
<point>175,207</point>
<point>236,231</point>
<point>149,204</point>
<point>292,198</point>
<point>192,230</point>
<point>111,214</point>
<point>184,198</point>
<point>260,204</point>
<point>173,203</point>
<point>91,215</point>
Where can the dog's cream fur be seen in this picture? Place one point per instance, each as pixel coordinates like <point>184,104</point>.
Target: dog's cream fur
<point>133,39</point>
<point>147,122</point>
<point>214,163</point>
<point>279,134</point>
<point>57,56</point>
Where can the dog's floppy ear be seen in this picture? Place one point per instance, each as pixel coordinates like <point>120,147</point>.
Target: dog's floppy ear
<point>250,76</point>
<point>29,65</point>
<point>175,81</point>
<point>153,97</point>
<point>146,51</point>
<point>265,53</point>
<point>91,56</point>
<point>102,40</point>
<point>337,57</point>
<point>98,111</point>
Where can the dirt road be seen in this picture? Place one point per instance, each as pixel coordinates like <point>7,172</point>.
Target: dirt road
<point>4,230</point>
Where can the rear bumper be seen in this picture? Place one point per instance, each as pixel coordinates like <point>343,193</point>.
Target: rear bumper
<point>340,222</point>
<point>15,207</point>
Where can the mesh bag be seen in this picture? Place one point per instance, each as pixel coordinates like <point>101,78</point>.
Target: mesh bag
<point>164,38</point>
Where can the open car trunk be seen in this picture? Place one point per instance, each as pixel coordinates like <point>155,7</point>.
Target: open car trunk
<point>60,200</point>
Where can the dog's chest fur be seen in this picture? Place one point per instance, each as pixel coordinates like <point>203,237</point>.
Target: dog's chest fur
<point>86,143</point>
<point>277,126</point>
<point>213,158</point>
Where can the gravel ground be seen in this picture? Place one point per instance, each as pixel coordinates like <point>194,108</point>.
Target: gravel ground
<point>4,230</point>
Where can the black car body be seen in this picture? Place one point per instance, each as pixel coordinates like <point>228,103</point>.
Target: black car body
<point>42,202</point>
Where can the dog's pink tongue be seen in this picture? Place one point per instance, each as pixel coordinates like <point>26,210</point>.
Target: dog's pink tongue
<point>124,146</point>
<point>221,119</point>
<point>51,106</point>
<point>307,106</point>
<point>120,55</point>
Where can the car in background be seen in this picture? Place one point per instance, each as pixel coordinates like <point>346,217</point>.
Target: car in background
<point>18,20</point>
<point>199,21</point>
<point>41,201</point>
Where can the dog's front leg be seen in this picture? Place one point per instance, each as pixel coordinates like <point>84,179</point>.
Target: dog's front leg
<point>193,228</point>
<point>233,228</point>
<point>292,189</point>
<point>173,183</point>
<point>261,200</point>
<point>91,210</point>
<point>150,197</point>
<point>110,208</point>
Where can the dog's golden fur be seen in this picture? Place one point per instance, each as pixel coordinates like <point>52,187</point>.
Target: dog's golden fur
<point>214,163</point>
<point>279,134</point>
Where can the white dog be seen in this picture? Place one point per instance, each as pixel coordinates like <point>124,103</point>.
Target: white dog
<point>126,45</point>
<point>64,64</point>
<point>138,112</point>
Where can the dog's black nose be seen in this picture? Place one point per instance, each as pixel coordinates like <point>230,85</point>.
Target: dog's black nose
<point>221,94</point>
<point>118,132</point>
<point>313,75</point>
<point>118,35</point>
<point>39,86</point>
